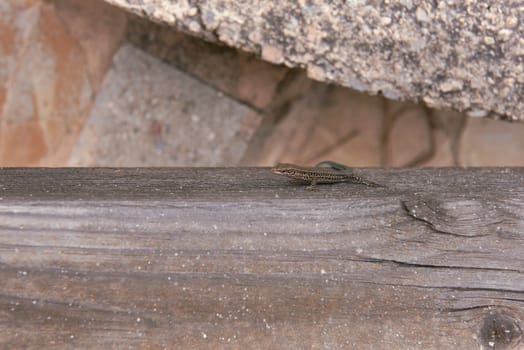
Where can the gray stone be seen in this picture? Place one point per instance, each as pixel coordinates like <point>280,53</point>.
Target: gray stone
<point>237,74</point>
<point>150,114</point>
<point>417,50</point>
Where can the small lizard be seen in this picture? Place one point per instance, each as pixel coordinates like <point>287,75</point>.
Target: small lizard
<point>318,174</point>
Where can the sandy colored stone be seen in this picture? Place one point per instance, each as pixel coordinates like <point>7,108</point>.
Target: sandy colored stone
<point>150,114</point>
<point>409,139</point>
<point>98,28</point>
<point>451,54</point>
<point>327,122</point>
<point>488,142</point>
<point>447,127</point>
<point>443,151</point>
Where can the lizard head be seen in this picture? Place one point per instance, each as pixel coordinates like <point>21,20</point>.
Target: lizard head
<point>284,169</point>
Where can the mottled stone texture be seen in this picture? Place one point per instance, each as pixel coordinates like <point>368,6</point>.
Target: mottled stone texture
<point>465,55</point>
<point>53,56</point>
<point>149,113</point>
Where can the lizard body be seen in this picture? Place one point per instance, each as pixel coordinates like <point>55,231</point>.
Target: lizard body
<point>335,173</point>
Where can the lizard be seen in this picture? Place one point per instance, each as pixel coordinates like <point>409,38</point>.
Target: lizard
<point>320,174</point>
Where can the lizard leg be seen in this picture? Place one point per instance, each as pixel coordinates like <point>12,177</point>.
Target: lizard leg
<point>313,184</point>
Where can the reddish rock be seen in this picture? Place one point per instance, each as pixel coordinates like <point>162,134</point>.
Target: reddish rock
<point>48,77</point>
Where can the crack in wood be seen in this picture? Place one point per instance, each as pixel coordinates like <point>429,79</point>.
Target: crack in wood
<point>472,308</point>
<point>450,267</point>
<point>450,288</point>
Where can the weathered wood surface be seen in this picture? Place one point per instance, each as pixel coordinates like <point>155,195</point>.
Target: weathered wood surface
<point>241,258</point>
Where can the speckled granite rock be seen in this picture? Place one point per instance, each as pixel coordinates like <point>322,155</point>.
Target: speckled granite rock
<point>467,55</point>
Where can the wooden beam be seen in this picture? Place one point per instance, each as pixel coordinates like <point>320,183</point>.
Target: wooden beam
<point>215,258</point>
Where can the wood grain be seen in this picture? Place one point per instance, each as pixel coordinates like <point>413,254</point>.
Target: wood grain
<point>212,258</point>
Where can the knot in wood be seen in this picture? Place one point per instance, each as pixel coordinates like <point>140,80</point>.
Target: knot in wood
<point>500,331</point>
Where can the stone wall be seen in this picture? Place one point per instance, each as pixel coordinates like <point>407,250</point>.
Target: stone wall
<point>84,83</point>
